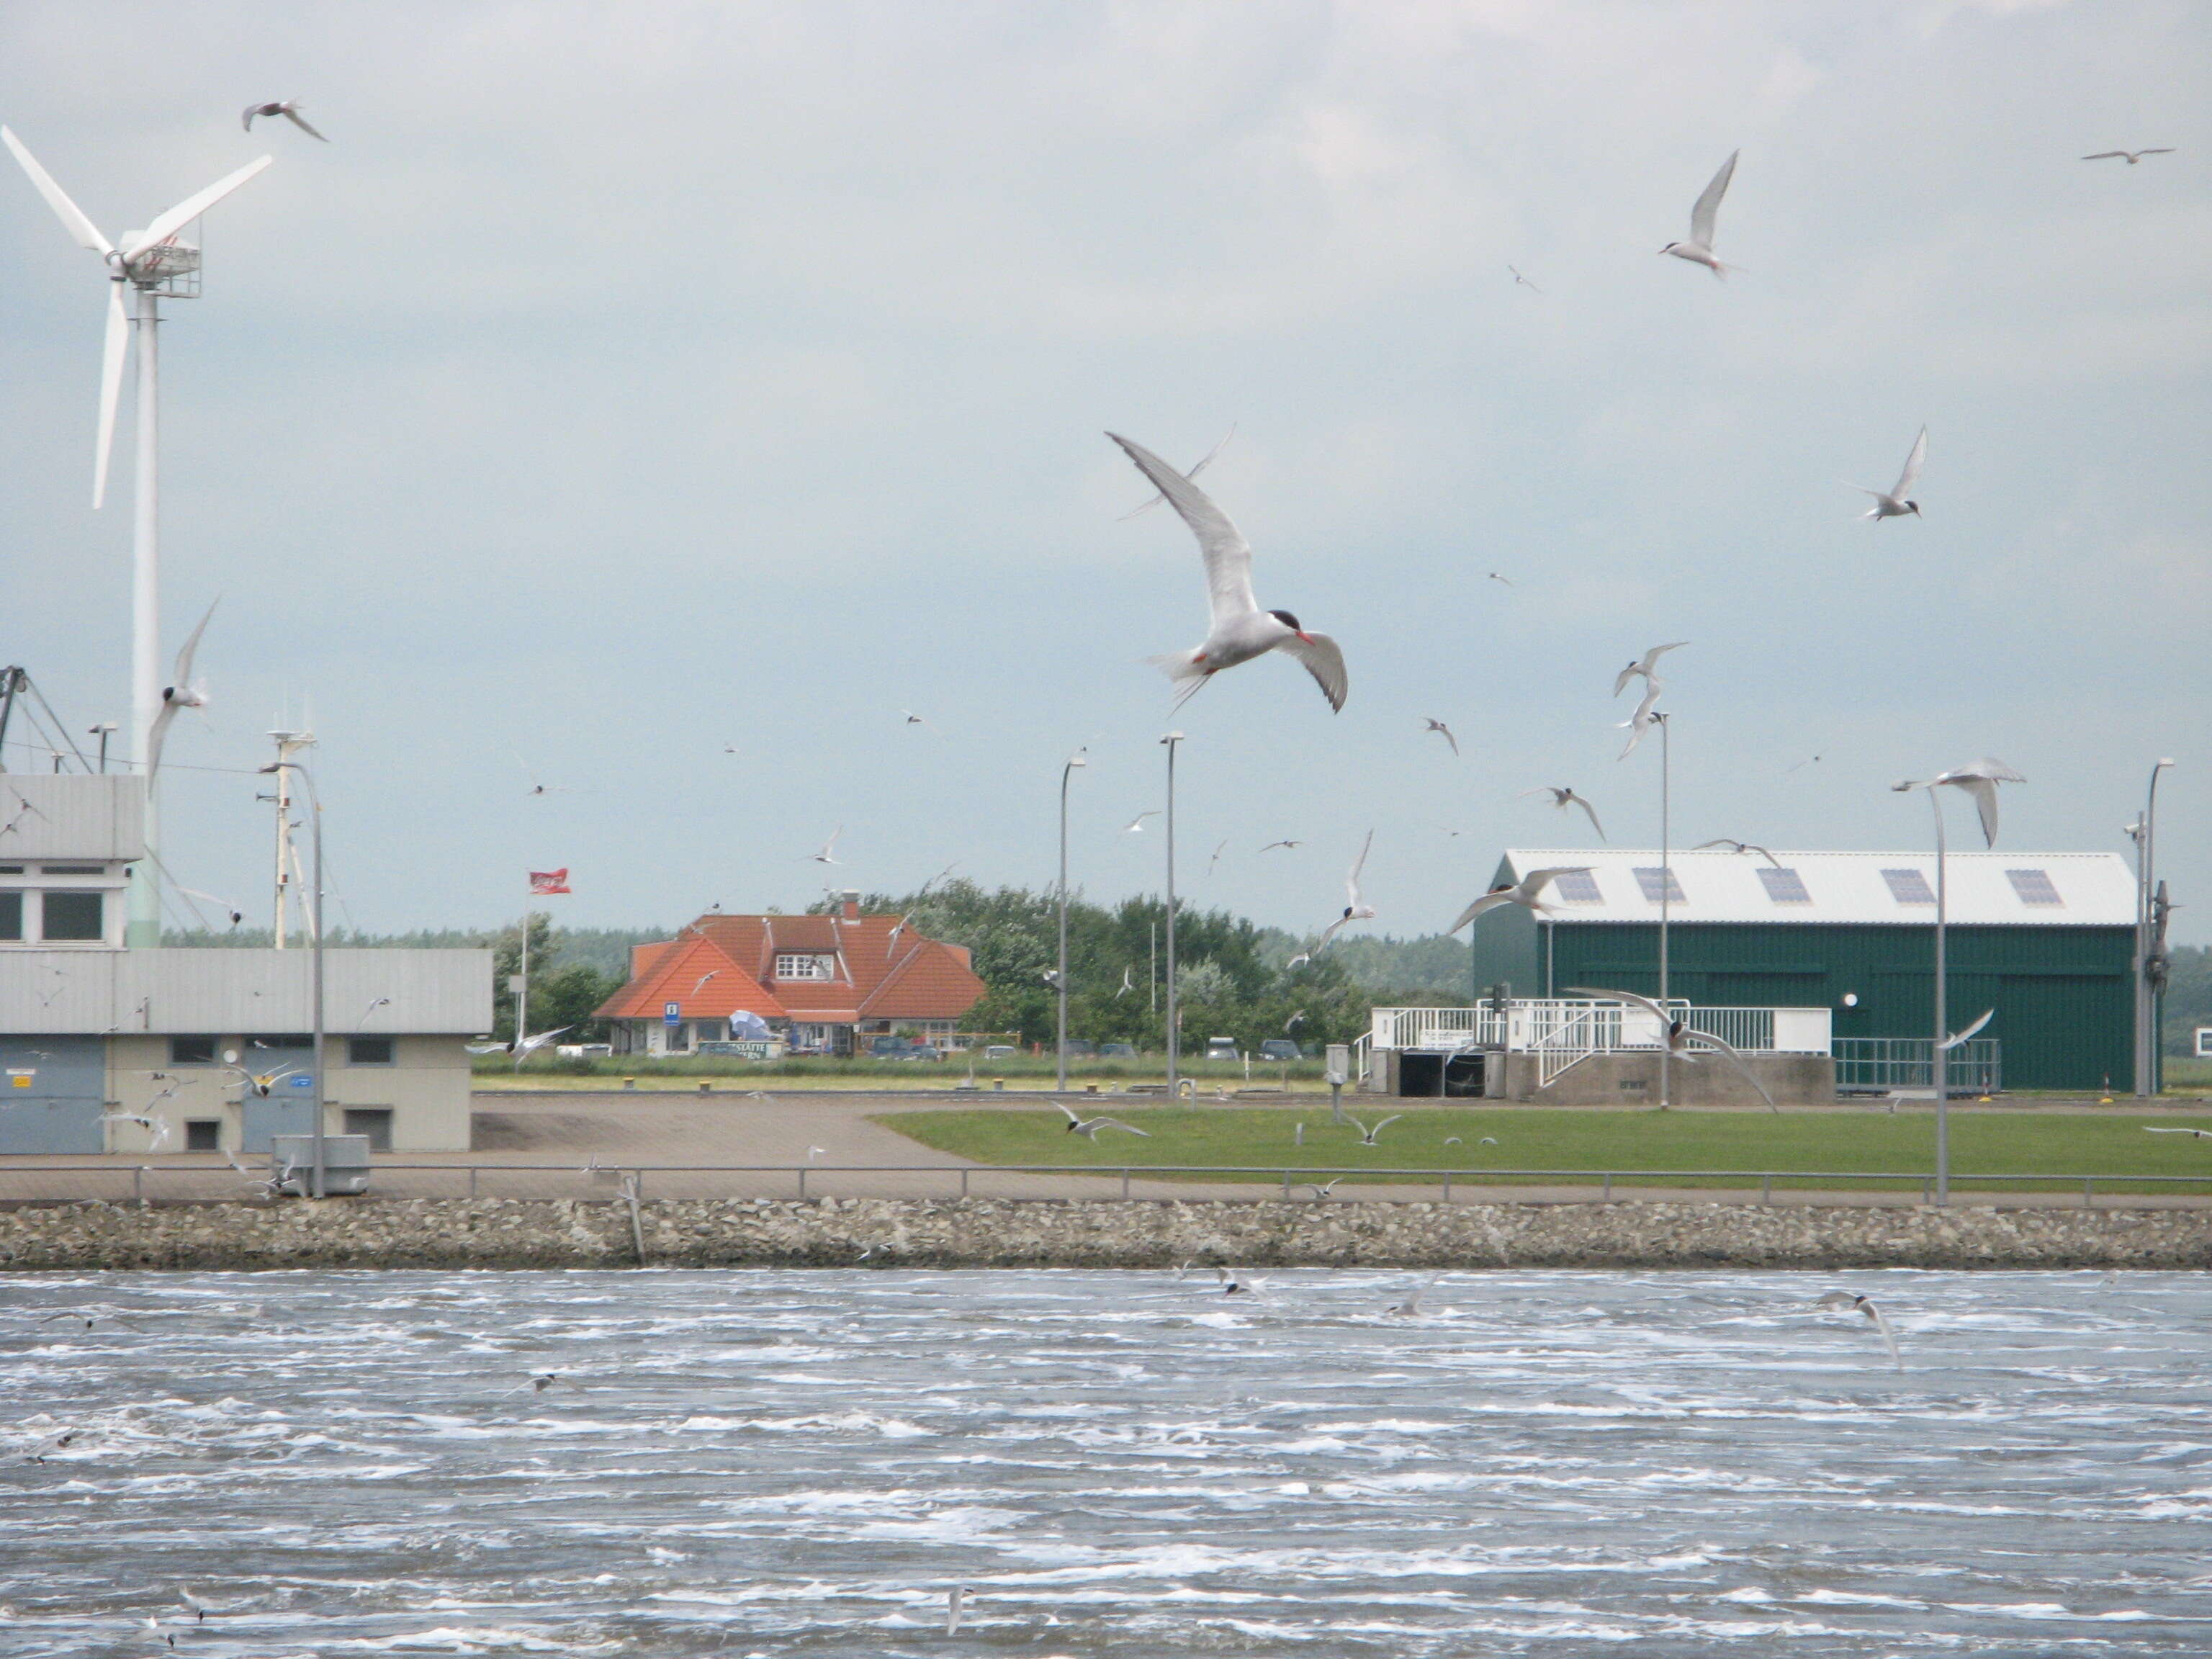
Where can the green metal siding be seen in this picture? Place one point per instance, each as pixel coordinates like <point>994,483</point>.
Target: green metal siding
<point>2062,995</point>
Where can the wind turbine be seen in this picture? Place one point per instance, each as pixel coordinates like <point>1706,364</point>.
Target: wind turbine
<point>150,263</point>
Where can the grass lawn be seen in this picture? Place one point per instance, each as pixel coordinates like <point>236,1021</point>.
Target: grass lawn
<point>1996,1143</point>
<point>1023,1071</point>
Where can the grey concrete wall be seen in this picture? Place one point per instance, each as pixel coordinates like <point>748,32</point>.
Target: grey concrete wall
<point>1633,1080</point>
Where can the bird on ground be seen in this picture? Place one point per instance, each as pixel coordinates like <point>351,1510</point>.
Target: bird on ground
<point>183,692</point>
<point>913,719</point>
<point>955,1604</point>
<point>289,109</point>
<point>1523,281</point>
<point>1563,799</point>
<point>1895,503</point>
<point>2176,1129</point>
<point>1442,731</point>
<point>2132,157</point>
<point>1128,982</point>
<point>1980,780</point>
<point>539,1383</point>
<point>259,1084</point>
<point>1678,1036</point>
<point>1645,667</point>
<point>1240,630</point>
<point>1738,847</point>
<point>1853,1303</point>
<point>1959,1039</point>
<point>1160,497</point>
<point>236,915</point>
<point>1216,858</point>
<point>1356,908</point>
<point>1088,1128</point>
<point>1698,250</point>
<point>829,847</point>
<point>1643,720</point>
<point>1367,1135</point>
<point>1286,845</point>
<point>1136,826</point>
<point>1528,892</point>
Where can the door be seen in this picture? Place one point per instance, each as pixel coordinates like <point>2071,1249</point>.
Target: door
<point>51,1090</point>
<point>290,1108</point>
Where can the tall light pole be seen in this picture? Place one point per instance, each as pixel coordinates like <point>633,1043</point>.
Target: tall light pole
<point>1174,1033</point>
<point>1666,889</point>
<point>315,804</point>
<point>2146,1043</point>
<point>1060,1070</point>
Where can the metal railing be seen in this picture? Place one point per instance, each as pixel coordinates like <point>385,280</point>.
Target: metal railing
<point>1879,1065</point>
<point>146,1184</point>
<point>1586,1026</point>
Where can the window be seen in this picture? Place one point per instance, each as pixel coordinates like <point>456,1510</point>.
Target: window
<point>678,1039</point>
<point>191,1051</point>
<point>793,964</point>
<point>375,1122</point>
<point>11,915</point>
<point>1577,887</point>
<point>72,869</point>
<point>1909,887</point>
<point>1784,886</point>
<point>368,1051</point>
<point>203,1134</point>
<point>709,1031</point>
<point>11,869</point>
<point>1649,881</point>
<point>2034,887</point>
<point>74,916</point>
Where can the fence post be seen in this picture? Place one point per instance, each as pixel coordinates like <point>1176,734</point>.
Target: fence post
<point>638,1176</point>
<point>802,1180</point>
<point>1286,1186</point>
<point>1926,1182</point>
<point>1766,1189</point>
<point>472,1180</point>
<point>138,1186</point>
<point>2088,1202</point>
<point>1607,1199</point>
<point>1447,1186</point>
<point>1124,1183</point>
<point>963,1180</point>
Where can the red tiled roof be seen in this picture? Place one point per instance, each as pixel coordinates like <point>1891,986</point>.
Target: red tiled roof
<point>673,974</point>
<point>884,971</point>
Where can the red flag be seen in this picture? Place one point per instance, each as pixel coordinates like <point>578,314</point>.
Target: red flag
<point>549,881</point>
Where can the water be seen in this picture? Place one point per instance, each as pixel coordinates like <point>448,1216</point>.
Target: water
<point>1116,1463</point>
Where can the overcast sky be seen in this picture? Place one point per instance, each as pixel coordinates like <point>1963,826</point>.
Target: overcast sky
<point>625,382</point>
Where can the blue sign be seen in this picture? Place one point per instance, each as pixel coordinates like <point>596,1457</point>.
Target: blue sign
<point>302,1080</point>
<point>671,1014</point>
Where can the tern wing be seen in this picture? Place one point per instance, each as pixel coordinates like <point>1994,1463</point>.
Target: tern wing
<point>1911,476</point>
<point>1588,810</point>
<point>301,122</point>
<point>1351,881</point>
<point>1228,555</point>
<point>2162,150</point>
<point>1739,1062</point>
<point>2175,1129</point>
<point>1984,793</point>
<point>1620,680</point>
<point>1631,998</point>
<point>157,735</point>
<point>1321,654</point>
<point>191,645</point>
<point>1129,1128</point>
<point>1482,906</point>
<point>1073,1116</point>
<point>1533,883</point>
<point>1709,204</point>
<point>1874,1317</point>
<point>1651,657</point>
<point>2108,155</point>
<point>1957,1039</point>
<point>1381,1124</point>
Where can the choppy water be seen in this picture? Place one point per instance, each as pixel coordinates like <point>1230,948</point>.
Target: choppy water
<point>1116,1463</point>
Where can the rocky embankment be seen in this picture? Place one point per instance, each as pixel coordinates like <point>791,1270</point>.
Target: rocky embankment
<point>991,1233</point>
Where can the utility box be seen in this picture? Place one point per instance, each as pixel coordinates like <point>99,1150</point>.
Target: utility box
<point>345,1165</point>
<point>1339,1063</point>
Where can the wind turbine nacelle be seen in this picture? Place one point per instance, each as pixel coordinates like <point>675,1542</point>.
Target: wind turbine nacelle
<point>164,262</point>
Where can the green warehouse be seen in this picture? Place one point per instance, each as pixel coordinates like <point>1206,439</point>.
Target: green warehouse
<point>2046,939</point>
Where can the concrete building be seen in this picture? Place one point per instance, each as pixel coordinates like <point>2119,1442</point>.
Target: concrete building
<point>92,1034</point>
<point>2046,939</point>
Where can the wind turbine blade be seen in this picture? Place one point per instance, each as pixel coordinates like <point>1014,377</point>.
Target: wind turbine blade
<point>72,217</point>
<point>192,206</point>
<point>111,387</point>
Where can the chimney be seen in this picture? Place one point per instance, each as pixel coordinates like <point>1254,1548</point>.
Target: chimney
<point>852,898</point>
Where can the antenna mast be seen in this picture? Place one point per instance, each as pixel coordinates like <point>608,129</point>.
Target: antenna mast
<point>289,746</point>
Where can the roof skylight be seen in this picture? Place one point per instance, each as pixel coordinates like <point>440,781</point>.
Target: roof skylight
<point>1577,887</point>
<point>1651,880</point>
<point>1909,887</point>
<point>1784,886</point>
<point>2034,887</point>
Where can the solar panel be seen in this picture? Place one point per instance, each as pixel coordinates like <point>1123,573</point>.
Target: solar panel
<point>2034,887</point>
<point>1909,887</point>
<point>1650,879</point>
<point>1577,887</point>
<point>1784,886</point>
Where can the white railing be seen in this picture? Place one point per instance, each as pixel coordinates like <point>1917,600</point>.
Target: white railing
<point>1563,1030</point>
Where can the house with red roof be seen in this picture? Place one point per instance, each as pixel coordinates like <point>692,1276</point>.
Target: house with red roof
<point>822,984</point>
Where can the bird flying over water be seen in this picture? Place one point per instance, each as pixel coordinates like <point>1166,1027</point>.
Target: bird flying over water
<point>1442,731</point>
<point>1698,250</point>
<point>1240,630</point>
<point>289,109</point>
<point>1896,502</point>
<point>1528,892</point>
<point>1565,798</point>
<point>1859,1304</point>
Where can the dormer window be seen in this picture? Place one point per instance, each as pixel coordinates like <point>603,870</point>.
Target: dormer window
<point>803,964</point>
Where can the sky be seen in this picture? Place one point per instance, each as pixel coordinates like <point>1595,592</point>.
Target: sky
<point>623,385</point>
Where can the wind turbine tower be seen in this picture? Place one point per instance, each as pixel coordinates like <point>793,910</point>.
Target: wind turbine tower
<point>289,746</point>
<point>150,263</point>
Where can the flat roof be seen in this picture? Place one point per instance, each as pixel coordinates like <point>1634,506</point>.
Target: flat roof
<point>219,990</point>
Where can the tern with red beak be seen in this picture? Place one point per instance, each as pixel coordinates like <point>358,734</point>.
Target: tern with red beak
<point>1241,630</point>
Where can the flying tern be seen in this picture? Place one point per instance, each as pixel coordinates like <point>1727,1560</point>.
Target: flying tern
<point>1412,1306</point>
<point>1563,799</point>
<point>260,1084</point>
<point>955,1604</point>
<point>1442,731</point>
<point>289,109</point>
<point>2176,1129</point>
<point>1523,281</point>
<point>828,847</point>
<point>1528,893</point>
<point>1240,630</point>
<point>1508,580</point>
<point>913,719</point>
<point>1645,667</point>
<point>235,914</point>
<point>1678,1036</point>
<point>1272,845</point>
<point>1738,847</point>
<point>1136,826</point>
<point>1643,720</point>
<point>1980,780</point>
<point>1160,497</point>
<point>1959,1039</point>
<point>539,1383</point>
<point>1851,1304</point>
<point>1367,1134</point>
<point>1895,503</point>
<point>1216,858</point>
<point>1128,982</point>
<point>1698,250</point>
<point>1320,1189</point>
<point>1356,908</point>
<point>2132,157</point>
<point>1088,1128</point>
<point>182,693</point>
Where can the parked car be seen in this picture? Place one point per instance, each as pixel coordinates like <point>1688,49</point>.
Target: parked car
<point>1222,1048</point>
<point>999,1051</point>
<point>1280,1049</point>
<point>899,1048</point>
<point>1117,1051</point>
<point>1079,1049</point>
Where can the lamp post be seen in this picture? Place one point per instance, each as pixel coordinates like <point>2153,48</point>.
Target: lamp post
<point>1060,1070</point>
<point>2146,838</point>
<point>315,802</point>
<point>1666,889</point>
<point>1175,1032</point>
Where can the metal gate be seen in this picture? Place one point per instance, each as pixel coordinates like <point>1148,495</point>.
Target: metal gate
<point>1878,1065</point>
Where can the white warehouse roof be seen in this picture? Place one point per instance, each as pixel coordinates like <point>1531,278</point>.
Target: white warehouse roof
<point>2080,889</point>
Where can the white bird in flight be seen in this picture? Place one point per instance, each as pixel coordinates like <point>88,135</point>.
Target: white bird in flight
<point>1523,281</point>
<point>1088,1128</point>
<point>1897,502</point>
<point>236,915</point>
<point>1645,667</point>
<point>1286,845</point>
<point>1980,780</point>
<point>956,1603</point>
<point>1160,497</point>
<point>1136,826</point>
<point>1240,629</point>
<point>1959,1039</point>
<point>289,109</point>
<point>1356,908</point>
<point>1643,718</point>
<point>1678,1036</point>
<point>1738,847</point>
<point>1216,858</point>
<point>261,1084</point>
<point>2132,157</point>
<point>182,693</point>
<point>1128,982</point>
<point>1698,250</point>
<point>1367,1135</point>
<point>828,846</point>
<point>1442,731</point>
<point>2176,1129</point>
<point>1528,892</point>
<point>1860,1304</point>
<point>913,719</point>
<point>1565,798</point>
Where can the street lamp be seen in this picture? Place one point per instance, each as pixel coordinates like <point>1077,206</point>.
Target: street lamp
<point>1979,779</point>
<point>1666,887</point>
<point>2145,832</point>
<point>315,801</point>
<point>1060,1070</point>
<point>1175,1032</point>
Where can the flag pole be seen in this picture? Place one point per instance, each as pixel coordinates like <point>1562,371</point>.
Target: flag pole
<point>522,989</point>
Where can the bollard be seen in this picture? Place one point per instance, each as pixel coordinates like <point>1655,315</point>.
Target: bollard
<point>963,1180</point>
<point>2088,1202</point>
<point>1607,1199</point>
<point>629,1083</point>
<point>1447,1186</point>
<point>802,1180</point>
<point>706,1087</point>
